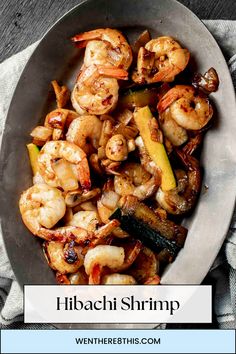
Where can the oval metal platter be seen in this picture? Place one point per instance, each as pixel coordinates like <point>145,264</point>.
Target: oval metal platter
<point>56,58</point>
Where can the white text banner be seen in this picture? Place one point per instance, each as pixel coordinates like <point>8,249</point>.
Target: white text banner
<point>117,304</point>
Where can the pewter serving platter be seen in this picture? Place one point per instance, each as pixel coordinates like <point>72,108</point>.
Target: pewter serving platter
<point>56,58</point>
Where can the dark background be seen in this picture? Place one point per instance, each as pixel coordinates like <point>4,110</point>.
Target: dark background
<point>22,22</point>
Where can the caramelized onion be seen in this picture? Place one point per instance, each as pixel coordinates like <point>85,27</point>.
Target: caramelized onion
<point>208,82</point>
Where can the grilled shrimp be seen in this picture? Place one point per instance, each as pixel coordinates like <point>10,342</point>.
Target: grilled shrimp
<point>104,255</point>
<point>105,46</point>
<point>118,279</point>
<point>87,220</point>
<point>78,234</point>
<point>189,109</point>
<point>65,258</point>
<point>41,207</point>
<point>66,234</point>
<point>176,134</point>
<point>96,90</point>
<point>135,180</point>
<point>70,152</point>
<point>181,199</point>
<point>85,132</point>
<point>160,60</point>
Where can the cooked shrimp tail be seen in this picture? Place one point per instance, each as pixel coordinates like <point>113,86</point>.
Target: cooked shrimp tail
<point>84,174</point>
<point>194,176</point>
<point>189,162</point>
<point>117,73</point>
<point>85,36</point>
<point>107,229</point>
<point>187,107</point>
<point>105,46</point>
<point>173,94</point>
<point>81,44</point>
<point>193,144</point>
<point>181,199</point>
<point>66,234</point>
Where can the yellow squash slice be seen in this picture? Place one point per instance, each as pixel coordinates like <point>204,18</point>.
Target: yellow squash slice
<point>33,151</point>
<point>155,149</point>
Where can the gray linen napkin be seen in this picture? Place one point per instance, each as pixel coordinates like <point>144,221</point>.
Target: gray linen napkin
<point>224,268</point>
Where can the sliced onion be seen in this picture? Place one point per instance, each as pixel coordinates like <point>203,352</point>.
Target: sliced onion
<point>88,206</point>
<point>143,38</point>
<point>65,174</point>
<point>103,212</point>
<point>107,128</point>
<point>101,153</point>
<point>110,199</point>
<point>62,94</point>
<point>41,133</point>
<point>127,131</point>
<point>125,116</point>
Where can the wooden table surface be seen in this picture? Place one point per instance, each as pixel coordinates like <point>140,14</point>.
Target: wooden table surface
<point>22,22</point>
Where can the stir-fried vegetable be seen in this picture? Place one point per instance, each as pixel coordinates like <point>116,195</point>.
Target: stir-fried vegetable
<point>140,42</point>
<point>155,149</point>
<point>110,199</point>
<point>33,152</point>
<point>130,205</point>
<point>41,134</point>
<point>209,82</point>
<point>140,221</point>
<point>145,233</point>
<point>139,98</point>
